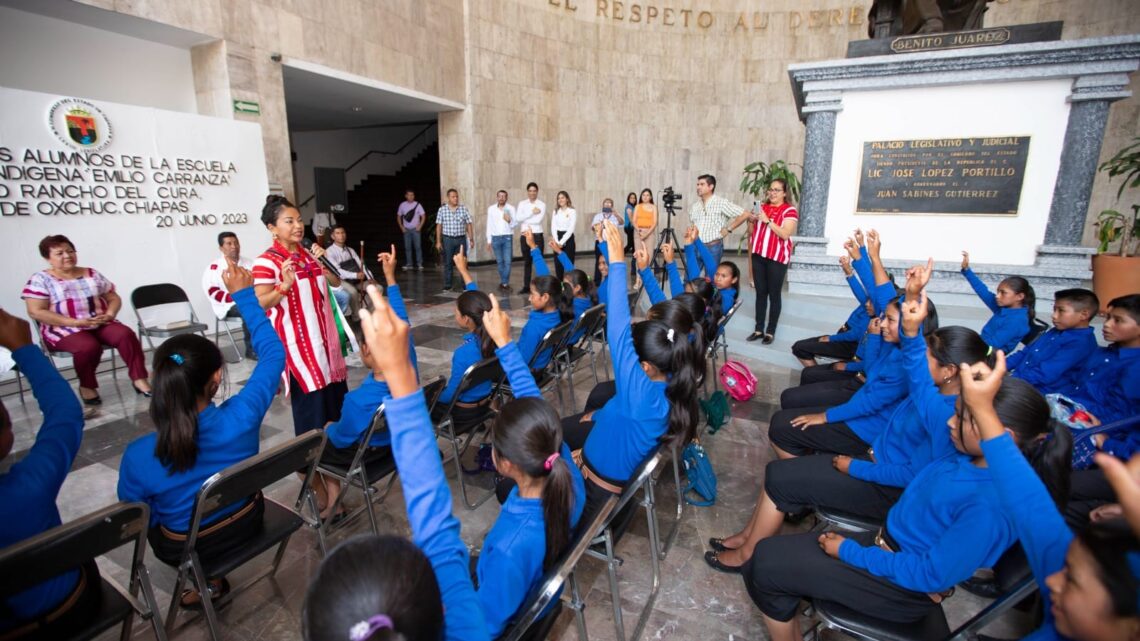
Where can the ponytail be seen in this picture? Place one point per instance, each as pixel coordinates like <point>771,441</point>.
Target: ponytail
<point>565,301</point>
<point>1046,444</point>
<point>528,433</point>
<point>667,349</point>
<point>676,313</point>
<point>556,290</point>
<point>184,367</point>
<point>472,304</point>
<point>953,345</point>
<point>1020,285</point>
<point>578,278</point>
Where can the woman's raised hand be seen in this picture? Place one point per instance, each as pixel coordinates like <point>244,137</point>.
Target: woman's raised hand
<point>873,242</point>
<point>917,277</point>
<point>641,257</point>
<point>528,236</point>
<point>965,260</point>
<point>667,252</point>
<point>845,263</point>
<point>614,242</point>
<point>387,338</point>
<point>913,311</point>
<point>554,246</point>
<point>852,249</point>
<point>388,263</point>
<point>460,260</point>
<point>497,323</point>
<point>859,237</point>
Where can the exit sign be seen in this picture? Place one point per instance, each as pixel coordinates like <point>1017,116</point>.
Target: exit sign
<point>247,107</point>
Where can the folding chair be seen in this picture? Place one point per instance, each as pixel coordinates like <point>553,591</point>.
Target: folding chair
<point>237,483</point>
<point>55,354</point>
<point>364,475</point>
<point>549,374</point>
<point>720,342</point>
<point>591,322</point>
<point>164,294</point>
<point>1012,573</point>
<point>485,371</point>
<point>224,323</point>
<point>1038,327</point>
<point>609,534</point>
<point>534,621</point>
<point>70,546</point>
<point>633,296</point>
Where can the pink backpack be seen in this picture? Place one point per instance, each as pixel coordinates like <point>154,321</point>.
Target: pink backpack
<point>737,380</point>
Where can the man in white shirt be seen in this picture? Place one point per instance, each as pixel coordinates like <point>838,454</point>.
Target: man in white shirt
<point>501,222</point>
<point>220,300</point>
<point>531,214</point>
<point>323,222</point>
<point>349,267</point>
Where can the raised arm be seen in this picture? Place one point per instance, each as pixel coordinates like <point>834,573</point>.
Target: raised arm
<point>498,326</point>
<point>652,289</point>
<point>978,286</point>
<point>258,392</point>
<point>388,262</point>
<point>705,256</point>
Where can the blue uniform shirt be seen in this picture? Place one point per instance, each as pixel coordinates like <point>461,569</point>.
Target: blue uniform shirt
<point>868,411</point>
<point>1108,383</point>
<point>631,424</point>
<point>30,487</point>
<point>465,356</point>
<point>1049,360</point>
<point>227,434</point>
<point>1007,326</point>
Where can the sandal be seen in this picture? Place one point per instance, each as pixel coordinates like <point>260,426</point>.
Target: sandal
<point>714,563</point>
<point>191,600</point>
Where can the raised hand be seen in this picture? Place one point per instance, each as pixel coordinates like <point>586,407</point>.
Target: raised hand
<point>555,247</point>
<point>667,252</point>
<point>528,236</point>
<point>965,260</point>
<point>913,311</point>
<point>852,249</point>
<point>980,384</point>
<point>641,256</point>
<point>14,332</point>
<point>235,277</point>
<point>845,263</point>
<point>917,277</point>
<point>875,326</point>
<point>690,234</point>
<point>388,264</point>
<point>859,237</point>
<point>614,242</point>
<point>497,323</point>
<point>873,242</point>
<point>387,338</point>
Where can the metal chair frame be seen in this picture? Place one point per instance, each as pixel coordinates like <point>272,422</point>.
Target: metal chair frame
<point>41,557</point>
<point>549,375</point>
<point>164,291</point>
<point>356,475</point>
<point>720,342</point>
<point>592,321</point>
<point>224,323</point>
<point>486,370</point>
<point>52,353</point>
<point>270,466</point>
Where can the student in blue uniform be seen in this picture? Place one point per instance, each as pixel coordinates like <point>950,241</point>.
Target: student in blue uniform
<point>195,438</point>
<point>1089,583</point>
<point>655,374</point>
<point>477,345</point>
<point>583,294</point>
<point>1049,359</point>
<point>538,517</point>
<point>843,344</point>
<point>361,403</point>
<point>905,569</point>
<point>29,489</point>
<point>546,294</point>
<point>1013,308</point>
<point>867,485</point>
<point>725,277</point>
<point>373,587</point>
<point>1107,384</point>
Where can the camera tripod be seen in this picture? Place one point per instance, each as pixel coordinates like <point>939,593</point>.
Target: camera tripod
<point>657,259</point>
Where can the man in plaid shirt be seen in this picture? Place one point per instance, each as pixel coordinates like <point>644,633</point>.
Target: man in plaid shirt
<point>711,214</point>
<point>452,227</point>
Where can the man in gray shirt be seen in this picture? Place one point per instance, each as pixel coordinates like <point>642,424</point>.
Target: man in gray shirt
<point>410,217</point>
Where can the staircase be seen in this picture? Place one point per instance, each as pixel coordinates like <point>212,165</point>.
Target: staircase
<point>372,204</point>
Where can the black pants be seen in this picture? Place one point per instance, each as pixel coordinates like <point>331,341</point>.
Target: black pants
<point>821,373</point>
<point>629,239</point>
<point>317,408</point>
<point>809,348</point>
<point>213,545</point>
<point>463,419</point>
<point>810,482</point>
<point>768,275</point>
<point>825,394</point>
<point>342,456</point>
<point>1088,490</point>
<point>600,395</point>
<point>833,438</point>
<point>528,262</point>
<point>785,569</point>
<point>568,249</point>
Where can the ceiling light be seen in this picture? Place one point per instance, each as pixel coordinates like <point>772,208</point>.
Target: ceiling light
<point>358,109</point>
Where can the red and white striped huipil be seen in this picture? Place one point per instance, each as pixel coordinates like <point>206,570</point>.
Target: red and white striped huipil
<point>765,242</point>
<point>215,287</point>
<point>303,319</point>
<point>80,298</point>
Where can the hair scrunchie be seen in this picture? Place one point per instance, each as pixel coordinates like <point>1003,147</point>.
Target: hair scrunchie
<point>177,358</point>
<point>364,629</point>
<point>549,464</point>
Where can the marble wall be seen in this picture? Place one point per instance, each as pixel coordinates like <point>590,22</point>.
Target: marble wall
<point>597,97</point>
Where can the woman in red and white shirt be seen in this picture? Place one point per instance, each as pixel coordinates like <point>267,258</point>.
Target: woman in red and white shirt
<point>770,241</point>
<point>292,288</point>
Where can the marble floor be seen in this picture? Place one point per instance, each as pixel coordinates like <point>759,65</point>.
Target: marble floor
<point>694,602</point>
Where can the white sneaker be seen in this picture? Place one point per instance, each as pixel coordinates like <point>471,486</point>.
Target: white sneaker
<point>419,268</point>
<point>406,267</point>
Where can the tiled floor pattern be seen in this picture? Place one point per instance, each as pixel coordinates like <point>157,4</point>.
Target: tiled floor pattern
<point>694,602</point>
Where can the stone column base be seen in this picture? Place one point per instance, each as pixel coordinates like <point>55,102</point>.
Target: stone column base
<point>814,272</point>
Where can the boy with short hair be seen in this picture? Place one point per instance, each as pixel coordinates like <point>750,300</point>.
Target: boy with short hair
<point>1048,362</point>
<point>1107,385</point>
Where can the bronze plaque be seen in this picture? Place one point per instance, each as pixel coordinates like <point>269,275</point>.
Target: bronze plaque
<point>980,175</point>
<point>959,40</point>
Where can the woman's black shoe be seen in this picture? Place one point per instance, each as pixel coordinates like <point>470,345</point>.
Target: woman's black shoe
<point>768,338</point>
<point>94,400</point>
<point>754,336</point>
<point>718,545</point>
<point>714,563</point>
<point>141,392</point>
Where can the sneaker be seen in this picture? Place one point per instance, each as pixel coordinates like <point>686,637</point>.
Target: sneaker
<point>407,267</point>
<point>419,268</point>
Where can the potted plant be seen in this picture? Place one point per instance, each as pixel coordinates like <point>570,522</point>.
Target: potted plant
<point>1116,268</point>
<point>757,177</point>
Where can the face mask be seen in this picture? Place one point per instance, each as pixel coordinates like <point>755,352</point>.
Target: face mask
<point>607,210</point>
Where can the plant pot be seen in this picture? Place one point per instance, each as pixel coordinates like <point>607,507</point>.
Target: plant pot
<point>1115,276</point>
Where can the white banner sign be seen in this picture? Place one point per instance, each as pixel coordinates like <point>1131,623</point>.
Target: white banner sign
<point>142,193</point>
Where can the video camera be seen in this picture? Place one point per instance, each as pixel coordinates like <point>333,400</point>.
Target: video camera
<point>669,198</point>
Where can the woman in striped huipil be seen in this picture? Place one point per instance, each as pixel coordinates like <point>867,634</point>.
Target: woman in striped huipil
<point>293,289</point>
<point>771,247</point>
